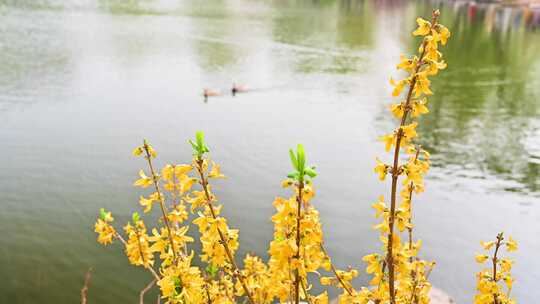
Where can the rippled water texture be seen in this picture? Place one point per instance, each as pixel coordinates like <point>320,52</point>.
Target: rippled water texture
<point>82,84</point>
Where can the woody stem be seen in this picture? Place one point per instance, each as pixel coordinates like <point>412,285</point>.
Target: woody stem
<point>139,243</point>
<point>152,271</point>
<point>395,174</point>
<point>340,280</point>
<point>236,271</point>
<point>298,218</point>
<point>161,199</point>
<point>411,189</point>
<point>495,260</point>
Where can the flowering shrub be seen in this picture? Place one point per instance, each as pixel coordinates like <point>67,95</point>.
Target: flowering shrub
<point>297,249</point>
<point>489,289</point>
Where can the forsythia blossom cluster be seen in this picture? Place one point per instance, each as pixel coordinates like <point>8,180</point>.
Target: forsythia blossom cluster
<point>490,290</point>
<point>183,197</point>
<point>399,276</point>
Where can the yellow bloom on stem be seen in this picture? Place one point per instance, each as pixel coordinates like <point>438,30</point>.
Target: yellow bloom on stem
<point>379,206</point>
<point>381,169</point>
<point>151,150</point>
<point>180,170</point>
<point>435,66</point>
<point>419,107</point>
<point>506,264</point>
<point>382,226</point>
<point>402,219</point>
<point>511,245</point>
<point>308,193</point>
<point>431,49</point>
<point>181,282</point>
<point>422,85</point>
<point>398,86</point>
<point>167,172</point>
<point>409,132</point>
<point>178,214</point>
<point>160,241</point>
<point>407,64</point>
<point>327,281</point>
<point>487,245</point>
<point>186,183</point>
<point>287,183</point>
<point>389,140</point>
<point>508,280</point>
<point>107,216</point>
<point>137,151</point>
<point>148,202</point>
<point>197,200</point>
<point>481,258</point>
<point>215,172</point>
<point>144,181</point>
<point>397,110</point>
<point>105,232</point>
<point>138,245</point>
<point>444,33</point>
<point>373,262</point>
<point>320,299</point>
<point>424,27</point>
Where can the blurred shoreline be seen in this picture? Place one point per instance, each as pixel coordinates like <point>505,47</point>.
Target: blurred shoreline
<point>498,14</point>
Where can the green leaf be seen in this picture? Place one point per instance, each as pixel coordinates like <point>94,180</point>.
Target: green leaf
<point>199,136</point>
<point>102,214</point>
<point>301,156</point>
<point>293,159</point>
<point>193,145</point>
<point>135,217</point>
<point>178,285</point>
<point>212,270</point>
<point>294,175</point>
<point>310,171</point>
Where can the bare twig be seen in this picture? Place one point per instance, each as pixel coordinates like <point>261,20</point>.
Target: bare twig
<point>347,288</point>
<point>145,290</point>
<point>308,297</point>
<point>84,290</point>
<point>495,259</point>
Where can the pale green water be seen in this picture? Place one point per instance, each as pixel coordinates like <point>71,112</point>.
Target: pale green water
<point>81,84</point>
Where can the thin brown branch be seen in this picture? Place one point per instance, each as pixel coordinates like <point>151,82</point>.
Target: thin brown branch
<point>145,290</point>
<point>152,271</point>
<point>414,297</point>
<point>495,260</point>
<point>160,198</point>
<point>84,290</point>
<point>308,298</point>
<point>411,189</point>
<point>340,280</point>
<point>298,218</point>
<point>139,245</point>
<point>395,172</point>
<point>236,271</point>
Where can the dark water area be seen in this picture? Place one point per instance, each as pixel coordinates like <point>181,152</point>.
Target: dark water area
<point>82,83</point>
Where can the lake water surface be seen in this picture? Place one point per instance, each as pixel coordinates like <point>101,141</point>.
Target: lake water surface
<point>82,83</point>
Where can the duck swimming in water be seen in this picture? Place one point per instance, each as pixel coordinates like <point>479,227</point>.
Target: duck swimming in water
<point>238,89</point>
<point>209,92</point>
